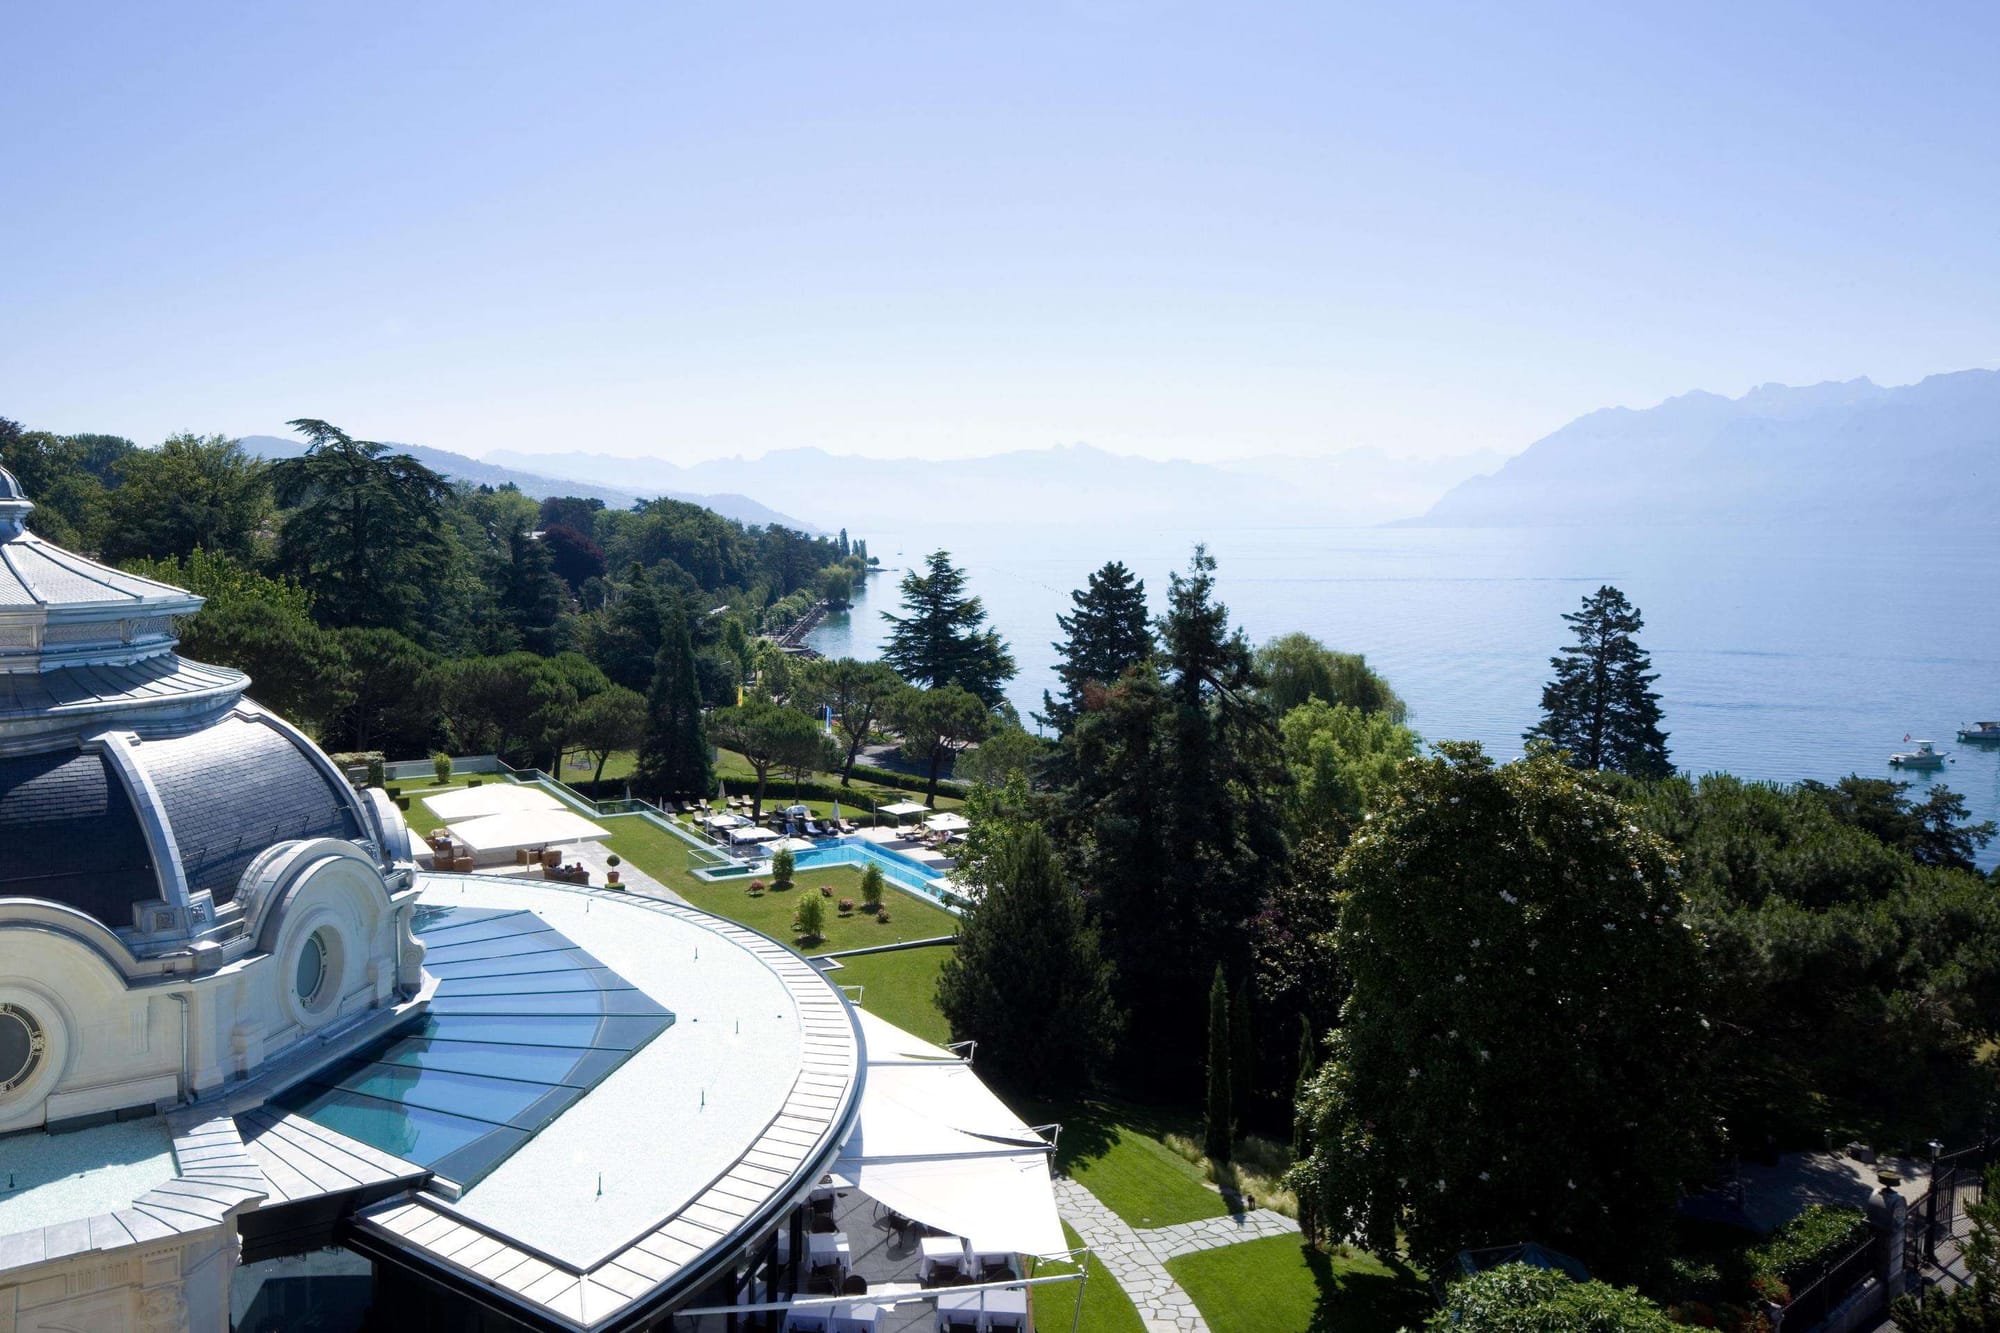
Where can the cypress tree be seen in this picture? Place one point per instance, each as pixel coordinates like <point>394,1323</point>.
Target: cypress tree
<point>1308,1065</point>
<point>1601,707</point>
<point>1215,1130</point>
<point>673,753</point>
<point>1242,1055</point>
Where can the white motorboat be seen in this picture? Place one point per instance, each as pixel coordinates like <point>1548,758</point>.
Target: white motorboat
<point>1980,731</point>
<point>1924,756</point>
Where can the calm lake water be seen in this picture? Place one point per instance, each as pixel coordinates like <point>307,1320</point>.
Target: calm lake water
<point>1782,655</point>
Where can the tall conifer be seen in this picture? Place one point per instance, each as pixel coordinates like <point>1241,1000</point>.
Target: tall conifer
<point>1601,706</point>
<point>673,755</point>
<point>1216,1118</point>
<point>1106,634</point>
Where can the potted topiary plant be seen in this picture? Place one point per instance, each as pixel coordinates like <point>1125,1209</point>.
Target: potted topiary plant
<point>611,880</point>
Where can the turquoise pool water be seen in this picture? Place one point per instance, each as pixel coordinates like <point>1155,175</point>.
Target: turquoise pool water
<point>905,873</point>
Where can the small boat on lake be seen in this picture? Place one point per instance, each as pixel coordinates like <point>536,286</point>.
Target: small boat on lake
<point>1980,731</point>
<point>1924,756</point>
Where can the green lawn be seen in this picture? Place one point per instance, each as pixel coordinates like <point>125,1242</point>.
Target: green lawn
<point>664,857</point>
<point>1134,1174</point>
<point>901,987</point>
<point>1278,1285</point>
<point>1106,1307</point>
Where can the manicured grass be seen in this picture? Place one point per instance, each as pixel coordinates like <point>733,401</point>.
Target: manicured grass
<point>664,857</point>
<point>1106,1307</point>
<point>1279,1285</point>
<point>1134,1174</point>
<point>901,987</point>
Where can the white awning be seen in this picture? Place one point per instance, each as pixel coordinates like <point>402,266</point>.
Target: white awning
<point>720,820</point>
<point>493,798</point>
<point>901,808</point>
<point>752,834</point>
<point>933,1143</point>
<point>948,822</point>
<point>526,828</point>
<point>793,845</point>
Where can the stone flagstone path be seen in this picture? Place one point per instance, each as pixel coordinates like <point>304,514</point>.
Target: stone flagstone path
<point>1137,1259</point>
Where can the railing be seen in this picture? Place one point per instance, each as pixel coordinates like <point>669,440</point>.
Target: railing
<point>1811,1305</point>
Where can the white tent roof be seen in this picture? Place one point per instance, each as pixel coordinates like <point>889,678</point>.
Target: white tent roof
<point>935,1145</point>
<point>903,808</point>
<point>526,828</point>
<point>794,844</point>
<point>752,835</point>
<point>494,798</point>
<point>723,820</point>
<point>948,822</point>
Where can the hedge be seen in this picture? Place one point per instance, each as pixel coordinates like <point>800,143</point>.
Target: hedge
<point>1802,1248</point>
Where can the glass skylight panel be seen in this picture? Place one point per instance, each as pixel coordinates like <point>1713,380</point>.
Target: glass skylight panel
<point>521,1025</point>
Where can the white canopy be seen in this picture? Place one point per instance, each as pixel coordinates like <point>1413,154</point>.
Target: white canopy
<point>526,828</point>
<point>948,822</point>
<point>494,798</point>
<point>935,1145</point>
<point>722,819</point>
<point>752,834</point>
<point>901,808</point>
<point>794,844</point>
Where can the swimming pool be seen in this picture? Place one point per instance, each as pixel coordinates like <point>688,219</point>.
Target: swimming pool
<point>904,872</point>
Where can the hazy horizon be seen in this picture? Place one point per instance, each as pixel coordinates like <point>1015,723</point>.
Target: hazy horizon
<point>709,233</point>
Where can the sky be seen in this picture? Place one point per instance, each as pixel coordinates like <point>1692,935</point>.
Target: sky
<point>702,230</point>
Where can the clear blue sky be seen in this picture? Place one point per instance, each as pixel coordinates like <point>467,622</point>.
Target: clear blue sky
<point>697,230</point>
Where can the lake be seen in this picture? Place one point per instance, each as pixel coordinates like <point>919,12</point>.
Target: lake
<point>1782,655</point>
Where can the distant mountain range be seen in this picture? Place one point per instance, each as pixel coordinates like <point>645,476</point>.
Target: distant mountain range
<point>1847,453</point>
<point>539,485</point>
<point>1068,483</point>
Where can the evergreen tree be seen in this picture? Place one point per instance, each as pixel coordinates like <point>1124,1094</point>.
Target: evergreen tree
<point>1308,1063</point>
<point>1242,1054</point>
<point>1217,1113</point>
<point>1107,634</point>
<point>1170,813</point>
<point>1601,706</point>
<point>843,547</point>
<point>1028,981</point>
<point>943,639</point>
<point>674,752</point>
<point>531,594</point>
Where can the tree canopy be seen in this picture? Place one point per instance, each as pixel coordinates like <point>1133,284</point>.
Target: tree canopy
<point>942,638</point>
<point>1518,1054</point>
<point>1297,668</point>
<point>1106,633</point>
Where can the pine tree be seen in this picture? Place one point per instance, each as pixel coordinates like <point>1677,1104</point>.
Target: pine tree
<point>531,593</point>
<point>1601,706</point>
<point>674,753</point>
<point>943,639</point>
<point>1215,1125</point>
<point>1105,635</point>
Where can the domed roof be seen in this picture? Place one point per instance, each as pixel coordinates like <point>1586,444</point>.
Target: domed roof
<point>135,786</point>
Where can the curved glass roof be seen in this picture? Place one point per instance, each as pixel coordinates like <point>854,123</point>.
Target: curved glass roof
<point>523,1023</point>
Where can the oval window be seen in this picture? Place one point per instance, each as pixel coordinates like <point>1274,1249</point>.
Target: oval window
<point>21,1046</point>
<point>310,978</point>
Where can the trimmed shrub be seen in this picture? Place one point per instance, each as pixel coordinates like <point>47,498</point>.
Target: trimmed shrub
<point>826,890</point>
<point>871,887</point>
<point>883,916</point>
<point>377,776</point>
<point>441,765</point>
<point>782,866</point>
<point>1802,1248</point>
<point>402,803</point>
<point>756,888</point>
<point>810,919</point>
<point>475,782</point>
<point>847,906</point>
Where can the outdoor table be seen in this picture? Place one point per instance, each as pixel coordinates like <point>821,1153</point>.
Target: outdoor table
<point>946,1252</point>
<point>830,1185</point>
<point>858,1317</point>
<point>828,1247</point>
<point>1004,1309</point>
